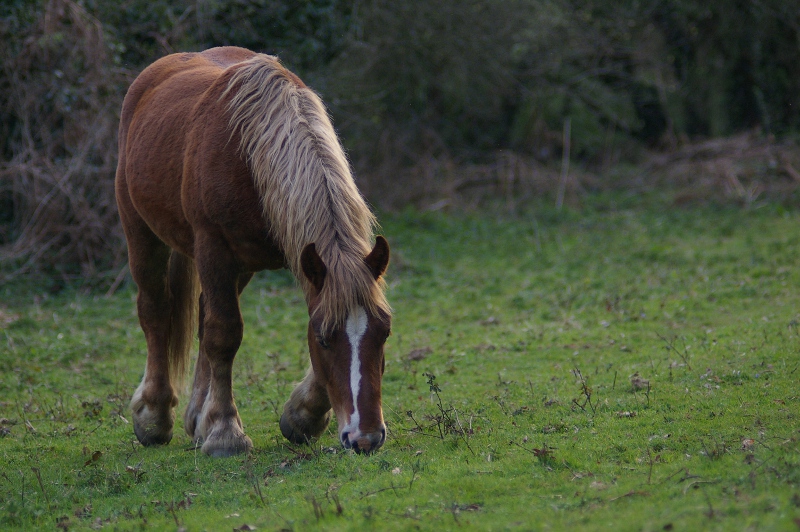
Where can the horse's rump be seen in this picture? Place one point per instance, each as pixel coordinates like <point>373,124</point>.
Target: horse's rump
<point>180,163</point>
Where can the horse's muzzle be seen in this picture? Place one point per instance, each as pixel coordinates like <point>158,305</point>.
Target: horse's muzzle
<point>362,442</point>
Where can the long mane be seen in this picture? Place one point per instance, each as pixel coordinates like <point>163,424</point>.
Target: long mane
<point>305,183</point>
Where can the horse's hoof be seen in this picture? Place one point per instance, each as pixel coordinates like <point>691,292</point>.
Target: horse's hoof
<point>193,414</point>
<point>290,434</point>
<point>151,436</point>
<point>226,447</point>
<point>153,427</point>
<point>303,432</point>
<point>190,422</point>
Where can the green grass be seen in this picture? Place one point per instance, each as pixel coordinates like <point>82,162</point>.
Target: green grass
<point>634,369</point>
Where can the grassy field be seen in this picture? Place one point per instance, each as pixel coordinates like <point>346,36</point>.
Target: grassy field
<point>634,369</point>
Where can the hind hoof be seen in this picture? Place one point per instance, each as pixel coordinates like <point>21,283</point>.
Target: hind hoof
<point>227,446</point>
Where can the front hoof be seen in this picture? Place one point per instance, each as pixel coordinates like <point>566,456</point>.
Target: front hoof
<point>150,438</point>
<point>302,432</point>
<point>290,434</point>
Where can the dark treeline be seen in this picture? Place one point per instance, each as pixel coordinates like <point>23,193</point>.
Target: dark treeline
<point>454,80</point>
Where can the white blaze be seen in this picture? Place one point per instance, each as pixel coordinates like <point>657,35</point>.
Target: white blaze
<point>356,327</point>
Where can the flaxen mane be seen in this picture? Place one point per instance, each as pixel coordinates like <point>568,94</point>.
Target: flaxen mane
<point>304,179</point>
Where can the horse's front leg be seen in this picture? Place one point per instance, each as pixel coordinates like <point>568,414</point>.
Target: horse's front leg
<point>218,424</point>
<point>307,413</point>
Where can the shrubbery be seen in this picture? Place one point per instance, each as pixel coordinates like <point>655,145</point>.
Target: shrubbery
<point>417,89</point>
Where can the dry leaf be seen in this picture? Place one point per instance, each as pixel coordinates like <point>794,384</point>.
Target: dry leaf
<point>638,382</point>
<point>95,457</point>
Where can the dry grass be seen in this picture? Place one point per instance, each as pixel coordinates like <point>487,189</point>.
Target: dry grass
<point>740,170</point>
<point>435,183</point>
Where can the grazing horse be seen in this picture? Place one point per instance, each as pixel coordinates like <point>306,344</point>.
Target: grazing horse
<point>228,165</point>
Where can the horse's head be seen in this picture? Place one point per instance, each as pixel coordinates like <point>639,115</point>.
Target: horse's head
<point>347,366</point>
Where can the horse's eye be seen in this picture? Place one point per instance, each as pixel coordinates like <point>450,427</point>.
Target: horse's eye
<point>323,342</point>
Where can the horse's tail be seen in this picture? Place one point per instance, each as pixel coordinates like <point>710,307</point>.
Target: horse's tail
<point>184,289</point>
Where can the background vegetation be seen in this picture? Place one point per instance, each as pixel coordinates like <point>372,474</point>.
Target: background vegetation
<point>437,103</point>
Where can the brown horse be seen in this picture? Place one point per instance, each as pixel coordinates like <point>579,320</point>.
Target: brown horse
<point>228,165</point>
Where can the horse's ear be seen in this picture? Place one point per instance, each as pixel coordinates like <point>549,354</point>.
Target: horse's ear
<point>378,258</point>
<point>313,267</point>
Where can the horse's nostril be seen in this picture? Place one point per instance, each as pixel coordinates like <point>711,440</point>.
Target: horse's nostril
<point>364,443</point>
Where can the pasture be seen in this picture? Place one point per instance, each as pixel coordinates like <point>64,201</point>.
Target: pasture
<point>634,368</point>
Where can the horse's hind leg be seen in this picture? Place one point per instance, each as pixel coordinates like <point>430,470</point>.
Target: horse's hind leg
<point>202,379</point>
<point>154,400</point>
<point>218,424</point>
<point>202,374</point>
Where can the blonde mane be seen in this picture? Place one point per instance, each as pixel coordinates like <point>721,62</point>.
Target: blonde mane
<point>305,183</point>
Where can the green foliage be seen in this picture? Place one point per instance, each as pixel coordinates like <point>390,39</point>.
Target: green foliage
<point>628,369</point>
<point>471,77</point>
<point>734,64</point>
<point>437,76</point>
<point>306,35</point>
<point>142,31</point>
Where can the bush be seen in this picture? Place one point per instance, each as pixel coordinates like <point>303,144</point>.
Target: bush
<point>60,100</point>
